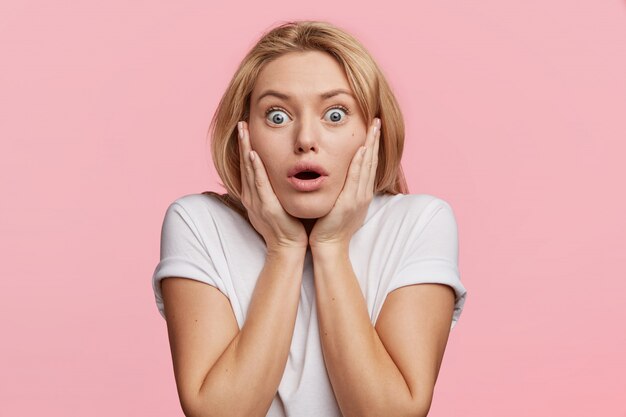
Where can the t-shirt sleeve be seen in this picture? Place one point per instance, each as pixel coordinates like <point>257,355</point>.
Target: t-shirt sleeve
<point>184,254</point>
<point>431,255</point>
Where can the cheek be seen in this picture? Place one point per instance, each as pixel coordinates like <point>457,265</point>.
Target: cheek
<point>350,147</point>
<point>259,141</point>
<point>357,139</point>
<point>274,166</point>
<point>344,156</point>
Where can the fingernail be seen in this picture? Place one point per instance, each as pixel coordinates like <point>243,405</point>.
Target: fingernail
<point>377,122</point>
<point>252,155</point>
<point>240,129</point>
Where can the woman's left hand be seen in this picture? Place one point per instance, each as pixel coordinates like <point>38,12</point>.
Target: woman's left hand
<point>347,215</point>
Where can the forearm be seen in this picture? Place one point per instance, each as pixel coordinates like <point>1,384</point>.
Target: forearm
<point>365,379</point>
<point>244,380</point>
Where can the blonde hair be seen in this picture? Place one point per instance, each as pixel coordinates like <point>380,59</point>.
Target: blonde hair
<point>367,81</point>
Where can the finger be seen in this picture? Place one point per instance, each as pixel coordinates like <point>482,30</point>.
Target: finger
<point>261,181</point>
<point>371,183</point>
<point>245,188</point>
<point>351,185</point>
<point>247,162</point>
<point>374,128</point>
<point>368,160</point>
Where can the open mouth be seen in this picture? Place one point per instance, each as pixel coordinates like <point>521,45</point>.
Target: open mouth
<point>307,175</point>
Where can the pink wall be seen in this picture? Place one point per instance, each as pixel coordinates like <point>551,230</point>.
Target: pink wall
<point>515,113</point>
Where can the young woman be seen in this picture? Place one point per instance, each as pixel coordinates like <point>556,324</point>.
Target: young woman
<point>294,293</point>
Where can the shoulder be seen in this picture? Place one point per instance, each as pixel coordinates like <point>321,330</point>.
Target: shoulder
<point>200,206</point>
<point>196,201</point>
<point>209,212</point>
<point>201,211</point>
<point>414,206</point>
<point>395,217</point>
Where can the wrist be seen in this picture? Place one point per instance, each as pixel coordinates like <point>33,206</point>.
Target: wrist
<point>330,250</point>
<point>286,251</point>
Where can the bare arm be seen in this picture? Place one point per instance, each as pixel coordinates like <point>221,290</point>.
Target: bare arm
<point>388,370</point>
<point>219,370</point>
<point>365,379</point>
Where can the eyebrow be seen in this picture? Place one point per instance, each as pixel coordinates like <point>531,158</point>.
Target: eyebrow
<point>323,96</point>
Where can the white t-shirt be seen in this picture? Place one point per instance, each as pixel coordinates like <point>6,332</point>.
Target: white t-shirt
<point>405,239</point>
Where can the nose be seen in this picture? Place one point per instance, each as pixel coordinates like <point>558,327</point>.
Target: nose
<point>306,136</point>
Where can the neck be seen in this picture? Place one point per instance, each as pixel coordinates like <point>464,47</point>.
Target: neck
<point>308,225</point>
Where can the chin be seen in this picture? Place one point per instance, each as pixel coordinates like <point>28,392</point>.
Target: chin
<point>306,207</point>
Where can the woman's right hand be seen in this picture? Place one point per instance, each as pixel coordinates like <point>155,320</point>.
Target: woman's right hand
<point>279,229</point>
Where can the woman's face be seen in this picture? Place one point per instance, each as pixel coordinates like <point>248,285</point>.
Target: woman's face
<point>302,110</point>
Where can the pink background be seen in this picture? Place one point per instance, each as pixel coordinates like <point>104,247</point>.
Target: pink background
<point>515,114</point>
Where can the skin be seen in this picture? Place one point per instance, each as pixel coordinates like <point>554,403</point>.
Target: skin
<point>414,318</point>
<point>222,370</point>
<point>301,127</point>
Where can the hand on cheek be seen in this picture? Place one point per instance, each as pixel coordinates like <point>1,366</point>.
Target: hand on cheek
<point>279,229</point>
<point>350,209</point>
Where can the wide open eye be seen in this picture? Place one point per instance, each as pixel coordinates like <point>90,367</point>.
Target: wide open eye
<point>277,117</point>
<point>335,115</point>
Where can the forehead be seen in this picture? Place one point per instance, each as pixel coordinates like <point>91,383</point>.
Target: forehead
<point>302,73</point>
